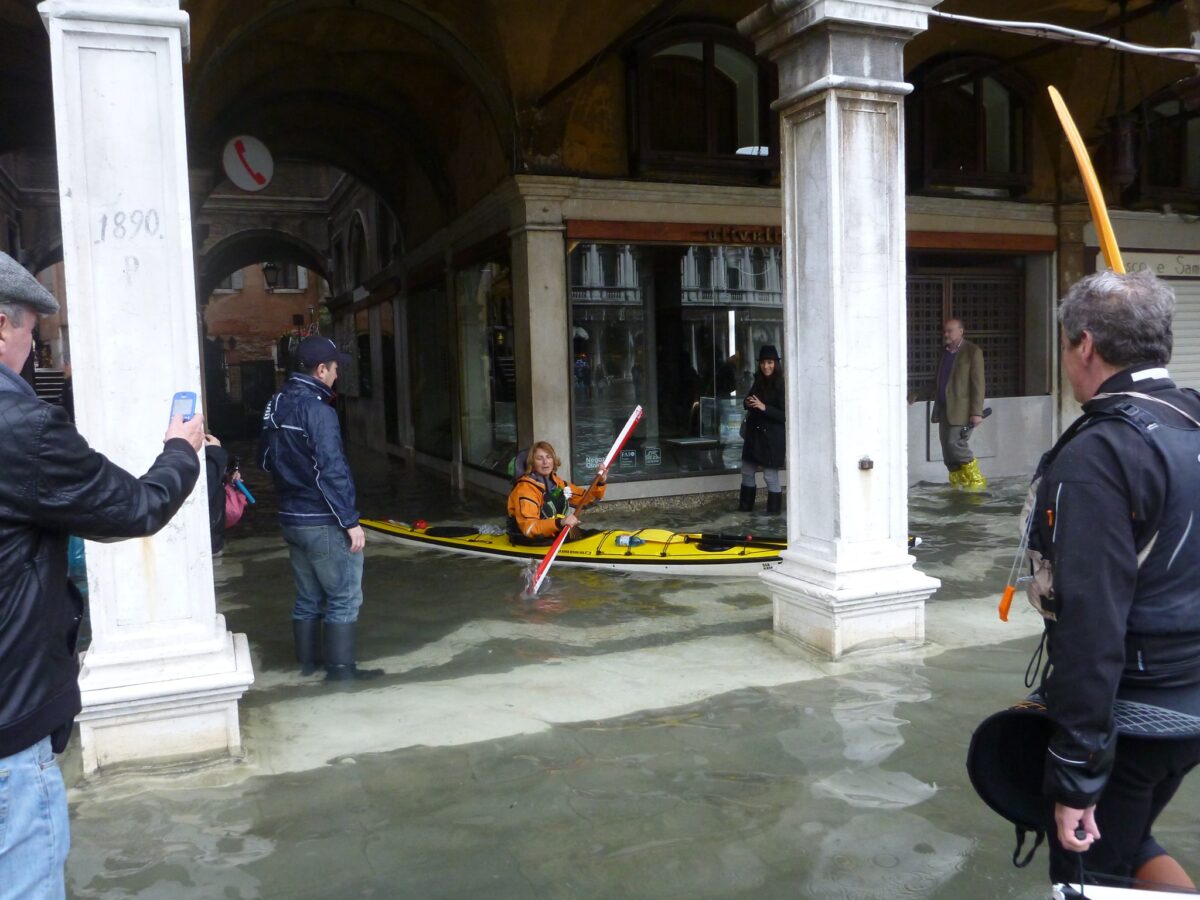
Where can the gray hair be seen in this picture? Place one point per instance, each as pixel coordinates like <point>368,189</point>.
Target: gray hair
<point>1128,316</point>
<point>15,311</point>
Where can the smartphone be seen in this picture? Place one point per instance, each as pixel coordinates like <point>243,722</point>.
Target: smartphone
<point>183,404</point>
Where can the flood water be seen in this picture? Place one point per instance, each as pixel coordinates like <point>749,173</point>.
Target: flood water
<point>617,736</point>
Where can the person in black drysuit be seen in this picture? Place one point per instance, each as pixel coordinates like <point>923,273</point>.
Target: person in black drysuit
<point>1115,517</point>
<point>764,445</point>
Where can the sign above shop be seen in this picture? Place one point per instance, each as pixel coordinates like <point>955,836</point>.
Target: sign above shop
<point>1164,265</point>
<point>248,163</point>
<point>673,232</point>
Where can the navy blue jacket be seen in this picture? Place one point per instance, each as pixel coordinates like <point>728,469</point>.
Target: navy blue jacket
<point>301,446</point>
<point>53,484</point>
<point>1114,515</point>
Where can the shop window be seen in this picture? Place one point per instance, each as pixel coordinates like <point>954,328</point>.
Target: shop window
<point>429,372</point>
<point>968,126</point>
<point>701,105</point>
<point>989,304</point>
<point>489,376</point>
<point>675,328</point>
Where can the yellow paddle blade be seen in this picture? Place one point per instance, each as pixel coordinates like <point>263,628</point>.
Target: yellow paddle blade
<point>1108,241</point>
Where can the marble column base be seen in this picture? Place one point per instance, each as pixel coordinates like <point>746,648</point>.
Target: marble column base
<point>183,718</point>
<point>870,611</point>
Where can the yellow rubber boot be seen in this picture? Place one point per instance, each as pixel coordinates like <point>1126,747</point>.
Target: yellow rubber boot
<point>972,478</point>
<point>957,478</point>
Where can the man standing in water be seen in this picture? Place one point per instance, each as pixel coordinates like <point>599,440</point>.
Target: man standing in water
<point>301,446</point>
<point>958,396</point>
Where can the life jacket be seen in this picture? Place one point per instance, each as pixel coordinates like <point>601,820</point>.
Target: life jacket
<point>550,504</point>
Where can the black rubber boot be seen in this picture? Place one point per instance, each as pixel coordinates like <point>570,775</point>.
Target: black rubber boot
<point>339,653</point>
<point>307,634</point>
<point>774,502</point>
<point>746,500</point>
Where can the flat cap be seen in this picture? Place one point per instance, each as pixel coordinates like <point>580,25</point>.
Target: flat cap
<point>18,286</point>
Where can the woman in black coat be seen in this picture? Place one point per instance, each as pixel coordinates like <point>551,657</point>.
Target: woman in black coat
<point>764,447</point>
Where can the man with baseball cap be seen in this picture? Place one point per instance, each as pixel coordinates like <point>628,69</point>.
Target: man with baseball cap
<point>301,446</point>
<point>53,484</point>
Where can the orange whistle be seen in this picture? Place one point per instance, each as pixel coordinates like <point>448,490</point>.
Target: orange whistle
<point>1006,602</point>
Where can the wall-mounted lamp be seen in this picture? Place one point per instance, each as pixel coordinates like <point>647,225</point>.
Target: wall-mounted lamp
<point>270,272</point>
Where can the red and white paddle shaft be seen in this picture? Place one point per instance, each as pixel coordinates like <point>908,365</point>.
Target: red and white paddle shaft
<point>548,560</point>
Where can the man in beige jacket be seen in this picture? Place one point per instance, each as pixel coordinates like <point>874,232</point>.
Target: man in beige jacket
<point>958,404</point>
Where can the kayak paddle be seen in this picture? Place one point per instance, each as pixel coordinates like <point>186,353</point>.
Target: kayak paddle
<point>543,568</point>
<point>1091,185</point>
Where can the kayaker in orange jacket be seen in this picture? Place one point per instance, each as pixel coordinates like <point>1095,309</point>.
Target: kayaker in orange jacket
<point>540,504</point>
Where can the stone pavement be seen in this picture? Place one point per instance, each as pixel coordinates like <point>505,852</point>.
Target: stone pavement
<point>621,736</point>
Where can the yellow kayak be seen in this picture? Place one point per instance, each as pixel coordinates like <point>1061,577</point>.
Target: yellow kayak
<point>654,551</point>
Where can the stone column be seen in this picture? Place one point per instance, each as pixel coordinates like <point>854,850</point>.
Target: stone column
<point>541,313</point>
<point>163,675</point>
<point>847,582</point>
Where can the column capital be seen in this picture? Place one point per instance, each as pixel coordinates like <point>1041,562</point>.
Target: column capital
<point>153,13</point>
<point>826,44</point>
<point>779,21</point>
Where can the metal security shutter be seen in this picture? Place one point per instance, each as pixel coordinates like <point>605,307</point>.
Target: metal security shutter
<point>1185,360</point>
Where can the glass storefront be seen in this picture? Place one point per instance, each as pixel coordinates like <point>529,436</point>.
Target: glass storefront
<point>429,372</point>
<point>488,363</point>
<point>677,329</point>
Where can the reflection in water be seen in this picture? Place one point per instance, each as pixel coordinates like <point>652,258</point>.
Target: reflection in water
<point>874,858</point>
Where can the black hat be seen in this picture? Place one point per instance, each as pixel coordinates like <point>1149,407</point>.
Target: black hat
<point>19,287</point>
<point>1008,752</point>
<point>316,349</point>
<point>1005,762</point>
<point>768,351</point>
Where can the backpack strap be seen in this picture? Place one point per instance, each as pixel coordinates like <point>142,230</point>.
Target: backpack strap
<point>1039,835</point>
<point>1149,397</point>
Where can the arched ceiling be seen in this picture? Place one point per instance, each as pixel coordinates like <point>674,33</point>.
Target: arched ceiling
<point>438,100</point>
<point>243,248</point>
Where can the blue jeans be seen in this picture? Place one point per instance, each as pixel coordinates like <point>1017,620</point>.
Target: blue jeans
<point>34,833</point>
<point>328,576</point>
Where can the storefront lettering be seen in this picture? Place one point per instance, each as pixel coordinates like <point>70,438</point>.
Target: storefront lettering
<point>732,234</point>
<point>1164,265</point>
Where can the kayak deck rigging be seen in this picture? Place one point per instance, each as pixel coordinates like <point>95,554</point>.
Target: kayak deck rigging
<point>660,550</point>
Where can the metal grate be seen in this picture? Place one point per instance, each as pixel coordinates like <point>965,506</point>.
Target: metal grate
<point>989,305</point>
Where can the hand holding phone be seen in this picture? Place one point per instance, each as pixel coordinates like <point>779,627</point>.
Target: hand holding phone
<point>183,404</point>
<point>191,424</point>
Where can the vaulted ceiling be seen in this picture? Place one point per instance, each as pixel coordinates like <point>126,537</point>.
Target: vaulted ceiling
<point>441,98</point>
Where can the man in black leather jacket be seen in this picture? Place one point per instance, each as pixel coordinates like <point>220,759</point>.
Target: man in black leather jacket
<point>51,485</point>
<point>1114,515</point>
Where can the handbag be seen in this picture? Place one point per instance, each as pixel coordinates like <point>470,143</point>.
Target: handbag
<point>235,505</point>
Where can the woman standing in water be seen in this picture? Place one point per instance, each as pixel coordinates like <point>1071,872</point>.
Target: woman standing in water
<point>764,447</point>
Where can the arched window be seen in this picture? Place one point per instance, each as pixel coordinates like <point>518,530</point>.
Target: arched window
<point>968,124</point>
<point>357,241</point>
<point>385,234</point>
<point>700,102</point>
